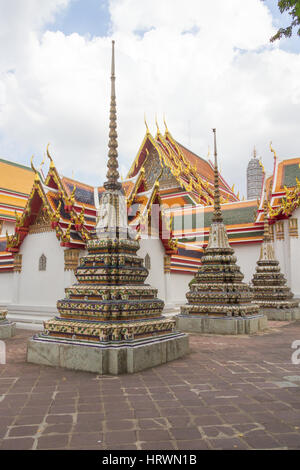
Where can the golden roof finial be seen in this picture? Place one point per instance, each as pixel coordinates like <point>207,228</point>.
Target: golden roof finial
<point>217,216</point>
<point>254,152</point>
<point>260,164</point>
<point>49,156</point>
<point>272,150</point>
<point>36,178</point>
<point>112,164</point>
<point>166,127</point>
<point>158,131</point>
<point>42,163</point>
<point>147,128</point>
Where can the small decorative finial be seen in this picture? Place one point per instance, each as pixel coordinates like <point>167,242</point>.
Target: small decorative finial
<point>208,153</point>
<point>42,163</point>
<point>147,128</point>
<point>49,156</point>
<point>166,127</point>
<point>112,164</point>
<point>158,131</point>
<point>36,178</point>
<point>254,152</point>
<point>217,216</point>
<point>272,150</point>
<point>261,165</point>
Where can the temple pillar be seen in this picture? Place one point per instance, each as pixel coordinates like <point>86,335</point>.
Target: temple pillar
<point>167,281</point>
<point>17,269</point>
<point>294,247</point>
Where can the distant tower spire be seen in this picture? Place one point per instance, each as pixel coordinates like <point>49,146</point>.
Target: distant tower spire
<point>254,177</point>
<point>112,164</point>
<point>217,217</point>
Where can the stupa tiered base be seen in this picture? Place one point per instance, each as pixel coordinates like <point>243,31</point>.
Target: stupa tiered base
<point>221,325</point>
<point>218,301</point>
<point>7,328</point>
<point>108,358</point>
<point>272,295</point>
<point>110,321</point>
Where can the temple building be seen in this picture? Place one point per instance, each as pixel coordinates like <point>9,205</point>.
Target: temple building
<point>49,218</point>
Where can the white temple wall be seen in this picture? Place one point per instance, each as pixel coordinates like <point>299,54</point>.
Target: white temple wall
<point>6,288</point>
<point>282,250</point>
<point>154,248</point>
<point>247,256</point>
<point>294,254</point>
<point>41,287</point>
<point>179,287</point>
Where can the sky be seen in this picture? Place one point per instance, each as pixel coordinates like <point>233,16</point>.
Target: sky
<point>201,64</point>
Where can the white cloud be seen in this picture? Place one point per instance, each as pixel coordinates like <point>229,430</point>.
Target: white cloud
<point>205,64</point>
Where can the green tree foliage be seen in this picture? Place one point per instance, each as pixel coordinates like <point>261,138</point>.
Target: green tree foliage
<point>292,7</point>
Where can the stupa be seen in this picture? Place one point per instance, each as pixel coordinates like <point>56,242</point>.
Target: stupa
<point>218,301</point>
<point>7,328</point>
<point>269,288</point>
<point>110,321</point>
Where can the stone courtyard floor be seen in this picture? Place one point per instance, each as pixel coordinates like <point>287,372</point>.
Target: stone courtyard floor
<point>229,393</point>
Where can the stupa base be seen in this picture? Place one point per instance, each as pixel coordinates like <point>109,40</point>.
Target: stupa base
<point>112,358</point>
<point>281,314</point>
<point>7,328</point>
<point>222,325</point>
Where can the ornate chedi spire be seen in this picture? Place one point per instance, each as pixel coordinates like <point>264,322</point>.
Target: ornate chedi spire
<point>110,320</point>
<point>112,164</point>
<point>269,288</point>
<point>218,300</point>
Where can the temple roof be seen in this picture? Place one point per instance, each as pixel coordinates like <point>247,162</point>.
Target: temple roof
<point>192,174</point>
<point>282,190</point>
<point>15,185</point>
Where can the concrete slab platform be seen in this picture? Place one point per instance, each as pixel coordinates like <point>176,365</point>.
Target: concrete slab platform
<point>222,325</point>
<point>7,329</point>
<point>281,314</point>
<point>103,359</point>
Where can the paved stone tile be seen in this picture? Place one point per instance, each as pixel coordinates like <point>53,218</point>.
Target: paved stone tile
<point>154,445</point>
<point>57,441</point>
<point>121,424</point>
<point>291,440</point>
<point>86,440</point>
<point>23,431</point>
<point>119,437</point>
<point>228,444</point>
<point>229,393</point>
<point>185,434</point>
<point>17,444</point>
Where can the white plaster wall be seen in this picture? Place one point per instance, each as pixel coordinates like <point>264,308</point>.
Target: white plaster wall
<point>179,287</point>
<point>156,252</point>
<point>247,256</point>
<point>6,288</point>
<point>294,258</point>
<point>41,288</point>
<point>282,252</point>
